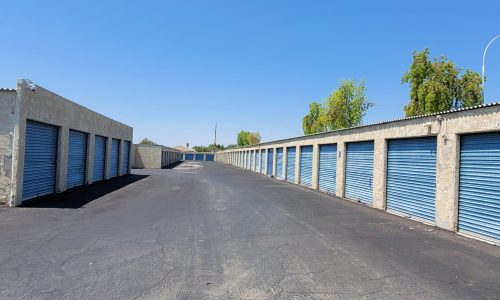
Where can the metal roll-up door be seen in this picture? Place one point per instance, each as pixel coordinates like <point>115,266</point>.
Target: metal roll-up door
<point>256,161</point>
<point>411,177</point>
<point>327,172</point>
<point>115,154</point>
<point>40,160</point>
<point>306,162</point>
<point>99,158</point>
<point>252,160</point>
<point>290,163</point>
<point>210,157</point>
<point>270,153</point>
<point>279,163</point>
<point>188,156</point>
<point>126,157</point>
<point>249,160</point>
<point>479,191</point>
<point>198,156</point>
<point>262,161</point>
<point>77,158</point>
<point>359,172</point>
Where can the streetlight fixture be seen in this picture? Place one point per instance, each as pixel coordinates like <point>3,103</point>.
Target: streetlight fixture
<point>484,56</point>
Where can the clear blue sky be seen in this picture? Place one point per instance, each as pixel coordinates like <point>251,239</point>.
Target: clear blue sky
<point>172,69</point>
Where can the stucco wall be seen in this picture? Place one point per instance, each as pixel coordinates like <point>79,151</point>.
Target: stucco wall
<point>44,106</point>
<point>447,128</point>
<point>9,118</point>
<point>147,157</point>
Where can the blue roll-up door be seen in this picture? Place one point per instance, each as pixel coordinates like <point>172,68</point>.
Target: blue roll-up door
<point>306,162</point>
<point>40,160</point>
<point>99,158</point>
<point>290,163</point>
<point>77,158</point>
<point>115,154</point>
<point>359,172</point>
<point>327,172</point>
<point>252,160</point>
<point>249,160</point>
<point>188,156</point>
<point>198,156</point>
<point>279,163</point>
<point>270,153</point>
<point>256,161</point>
<point>479,192</point>
<point>262,161</point>
<point>411,177</point>
<point>125,157</point>
<point>210,157</point>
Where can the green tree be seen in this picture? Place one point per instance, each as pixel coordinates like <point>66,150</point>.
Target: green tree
<point>147,141</point>
<point>245,138</point>
<point>437,86</point>
<point>345,107</point>
<point>231,146</point>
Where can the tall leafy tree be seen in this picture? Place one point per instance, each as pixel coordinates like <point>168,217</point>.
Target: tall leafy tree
<point>147,141</point>
<point>345,107</point>
<point>245,138</point>
<point>437,86</point>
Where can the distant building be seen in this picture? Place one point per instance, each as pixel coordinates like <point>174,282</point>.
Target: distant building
<point>183,149</point>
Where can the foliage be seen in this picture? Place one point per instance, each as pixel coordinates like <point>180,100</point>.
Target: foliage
<point>245,138</point>
<point>231,146</point>
<point>147,141</point>
<point>436,85</point>
<point>345,107</point>
<point>209,148</point>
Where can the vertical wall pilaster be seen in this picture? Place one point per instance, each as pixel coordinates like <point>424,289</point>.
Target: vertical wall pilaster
<point>447,178</point>
<point>315,165</point>
<point>341,155</point>
<point>90,159</point>
<point>298,150</point>
<point>379,173</point>
<point>62,159</point>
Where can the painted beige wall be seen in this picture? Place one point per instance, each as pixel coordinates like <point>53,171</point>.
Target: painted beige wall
<point>447,128</point>
<point>9,116</point>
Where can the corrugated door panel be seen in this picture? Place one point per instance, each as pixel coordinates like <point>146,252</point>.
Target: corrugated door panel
<point>198,156</point>
<point>247,160</point>
<point>270,153</point>
<point>327,173</point>
<point>290,163</point>
<point>262,161</point>
<point>279,163</point>
<point>210,157</point>
<point>306,162</point>
<point>77,158</point>
<point>115,155</point>
<point>256,159</point>
<point>99,158</point>
<point>252,160</point>
<point>188,156</point>
<point>40,160</point>
<point>359,172</point>
<point>479,196</point>
<point>411,177</point>
<point>126,156</point>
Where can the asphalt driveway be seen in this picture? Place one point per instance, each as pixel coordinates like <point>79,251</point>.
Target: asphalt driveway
<point>204,230</point>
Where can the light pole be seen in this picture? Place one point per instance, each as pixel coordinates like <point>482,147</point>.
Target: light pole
<point>484,56</point>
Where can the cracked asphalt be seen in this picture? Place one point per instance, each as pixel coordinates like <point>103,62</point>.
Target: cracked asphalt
<point>204,230</point>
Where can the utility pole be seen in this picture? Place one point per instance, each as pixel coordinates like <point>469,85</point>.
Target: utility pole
<point>215,138</point>
<point>484,60</point>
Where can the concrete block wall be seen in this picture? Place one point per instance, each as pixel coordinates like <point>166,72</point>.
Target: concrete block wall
<point>44,106</point>
<point>447,127</point>
<point>9,126</point>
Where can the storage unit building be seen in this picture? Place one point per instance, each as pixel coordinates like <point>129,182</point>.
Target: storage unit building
<point>359,172</point>
<point>306,162</point>
<point>411,177</point>
<point>327,172</point>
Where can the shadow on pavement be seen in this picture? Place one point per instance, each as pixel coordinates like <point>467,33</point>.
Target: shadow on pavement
<point>172,166</point>
<point>79,196</point>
